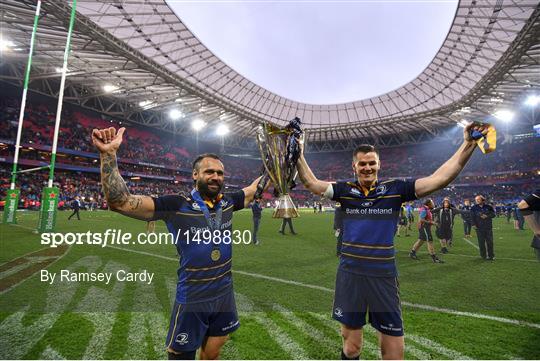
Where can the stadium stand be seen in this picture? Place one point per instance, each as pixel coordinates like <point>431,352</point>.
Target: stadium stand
<point>155,164</point>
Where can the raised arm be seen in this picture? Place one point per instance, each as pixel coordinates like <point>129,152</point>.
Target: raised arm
<point>452,167</point>
<point>107,141</point>
<point>308,179</point>
<point>250,190</point>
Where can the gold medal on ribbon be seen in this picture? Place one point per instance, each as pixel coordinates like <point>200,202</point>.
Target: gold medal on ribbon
<point>215,255</point>
<point>488,143</point>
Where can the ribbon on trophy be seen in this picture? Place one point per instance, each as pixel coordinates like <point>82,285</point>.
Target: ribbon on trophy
<point>488,142</point>
<point>280,150</point>
<point>214,223</point>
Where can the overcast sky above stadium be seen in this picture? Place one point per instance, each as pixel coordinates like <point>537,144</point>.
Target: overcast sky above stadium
<point>322,52</point>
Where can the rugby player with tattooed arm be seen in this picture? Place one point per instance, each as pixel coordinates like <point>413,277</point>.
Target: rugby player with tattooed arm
<point>204,313</point>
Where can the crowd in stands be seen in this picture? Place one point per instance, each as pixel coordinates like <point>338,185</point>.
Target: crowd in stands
<point>502,176</point>
<point>75,133</point>
<point>423,159</point>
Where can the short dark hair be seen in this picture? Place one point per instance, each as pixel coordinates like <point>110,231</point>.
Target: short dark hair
<point>365,148</point>
<point>200,157</point>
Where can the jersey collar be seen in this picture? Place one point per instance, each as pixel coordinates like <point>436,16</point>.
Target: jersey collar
<point>365,190</point>
<point>212,203</point>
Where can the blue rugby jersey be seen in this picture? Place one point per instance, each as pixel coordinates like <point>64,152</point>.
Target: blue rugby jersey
<point>200,278</point>
<point>370,218</point>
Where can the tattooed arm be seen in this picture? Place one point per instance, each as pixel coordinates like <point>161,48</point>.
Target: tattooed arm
<point>115,189</point>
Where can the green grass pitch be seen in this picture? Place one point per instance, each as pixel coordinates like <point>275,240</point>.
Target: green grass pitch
<point>465,308</point>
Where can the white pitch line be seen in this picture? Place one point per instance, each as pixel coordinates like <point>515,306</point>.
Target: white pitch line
<point>426,342</point>
<point>287,344</point>
<point>471,256</point>
<point>497,258</point>
<point>416,352</point>
<point>314,333</point>
<point>325,289</point>
<point>51,354</point>
<point>469,242</point>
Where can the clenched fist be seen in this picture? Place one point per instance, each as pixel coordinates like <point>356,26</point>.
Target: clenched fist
<point>107,140</point>
<point>481,128</point>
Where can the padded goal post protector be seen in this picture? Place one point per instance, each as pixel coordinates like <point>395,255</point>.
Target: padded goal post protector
<point>48,210</point>
<point>10,206</point>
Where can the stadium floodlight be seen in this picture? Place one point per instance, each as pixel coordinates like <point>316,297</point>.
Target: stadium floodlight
<point>222,130</point>
<point>532,100</point>
<point>110,88</point>
<point>6,44</point>
<point>175,114</point>
<point>198,124</point>
<point>504,114</point>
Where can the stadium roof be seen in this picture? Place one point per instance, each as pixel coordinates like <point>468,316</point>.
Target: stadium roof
<point>490,58</point>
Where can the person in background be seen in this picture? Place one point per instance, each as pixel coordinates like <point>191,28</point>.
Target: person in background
<point>284,223</point>
<point>76,206</point>
<point>508,210</point>
<point>445,219</point>
<point>410,214</point>
<point>530,209</point>
<point>424,232</point>
<point>256,209</point>
<point>482,215</point>
<point>465,212</point>
<point>520,220</point>
<point>403,222</point>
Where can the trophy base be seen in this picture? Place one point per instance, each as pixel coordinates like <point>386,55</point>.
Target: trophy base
<point>285,208</point>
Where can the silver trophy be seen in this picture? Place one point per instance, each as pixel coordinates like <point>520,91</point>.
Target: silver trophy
<point>280,150</point>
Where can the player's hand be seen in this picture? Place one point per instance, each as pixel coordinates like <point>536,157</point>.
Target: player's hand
<point>107,140</point>
<point>482,128</point>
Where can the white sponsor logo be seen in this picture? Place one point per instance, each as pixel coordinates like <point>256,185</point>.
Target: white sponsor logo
<point>390,327</point>
<point>338,312</point>
<point>195,206</point>
<point>182,338</point>
<point>380,190</point>
<point>355,191</point>
<point>366,204</point>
